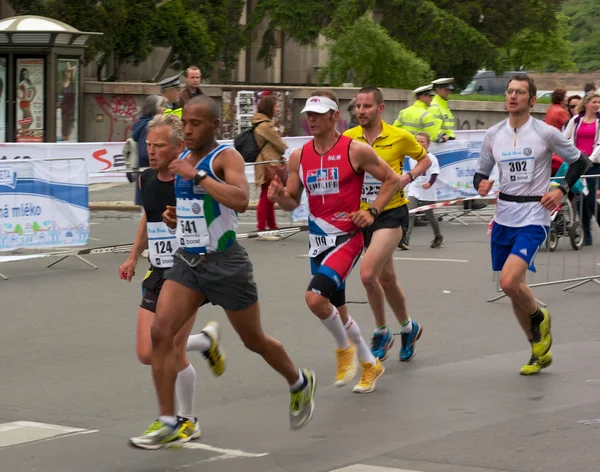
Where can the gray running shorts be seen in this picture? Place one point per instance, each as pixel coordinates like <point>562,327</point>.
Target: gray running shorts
<point>225,278</point>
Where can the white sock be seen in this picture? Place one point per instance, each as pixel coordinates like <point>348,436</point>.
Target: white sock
<point>198,342</point>
<point>336,327</point>
<point>185,390</point>
<point>298,384</point>
<point>406,327</point>
<point>362,349</point>
<point>170,420</point>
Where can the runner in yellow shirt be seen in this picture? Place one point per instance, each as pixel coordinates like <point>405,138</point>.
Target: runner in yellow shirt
<point>382,237</point>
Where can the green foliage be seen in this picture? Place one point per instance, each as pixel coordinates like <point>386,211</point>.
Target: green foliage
<point>585,32</point>
<point>500,21</point>
<point>452,48</point>
<point>202,32</point>
<point>375,60</point>
<point>192,43</point>
<point>540,50</point>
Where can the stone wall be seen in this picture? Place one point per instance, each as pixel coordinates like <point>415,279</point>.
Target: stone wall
<point>111,108</point>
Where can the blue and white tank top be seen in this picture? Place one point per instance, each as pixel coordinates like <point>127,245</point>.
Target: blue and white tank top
<point>203,224</point>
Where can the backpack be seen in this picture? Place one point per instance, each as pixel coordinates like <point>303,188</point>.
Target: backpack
<point>130,155</point>
<point>245,143</point>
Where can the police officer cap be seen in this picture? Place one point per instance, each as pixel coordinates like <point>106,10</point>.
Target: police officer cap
<point>445,82</point>
<point>169,83</point>
<point>425,90</point>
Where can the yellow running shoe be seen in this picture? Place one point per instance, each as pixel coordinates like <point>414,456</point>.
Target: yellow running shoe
<point>190,430</point>
<point>347,365</point>
<point>535,365</point>
<point>370,374</point>
<point>214,355</point>
<point>542,337</point>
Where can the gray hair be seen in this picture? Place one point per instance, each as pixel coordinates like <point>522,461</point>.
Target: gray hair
<point>151,105</point>
<point>173,122</point>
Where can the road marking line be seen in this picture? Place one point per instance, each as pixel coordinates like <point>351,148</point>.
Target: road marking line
<point>227,452</point>
<point>370,468</point>
<point>428,259</point>
<point>22,432</point>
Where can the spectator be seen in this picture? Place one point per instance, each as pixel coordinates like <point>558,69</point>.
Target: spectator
<point>193,76</point>
<point>272,148</point>
<point>352,111</point>
<point>589,87</point>
<point>557,115</point>
<point>153,105</point>
<point>584,130</point>
<point>572,104</point>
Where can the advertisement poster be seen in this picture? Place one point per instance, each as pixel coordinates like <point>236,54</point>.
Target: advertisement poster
<point>67,97</point>
<point>44,204</point>
<point>2,99</point>
<point>30,100</point>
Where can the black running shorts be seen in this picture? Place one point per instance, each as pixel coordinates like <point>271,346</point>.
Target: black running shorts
<point>394,218</point>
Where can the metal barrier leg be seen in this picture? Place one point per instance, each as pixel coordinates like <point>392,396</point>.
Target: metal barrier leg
<point>581,283</point>
<point>57,261</point>
<point>458,218</point>
<point>85,261</point>
<point>3,277</point>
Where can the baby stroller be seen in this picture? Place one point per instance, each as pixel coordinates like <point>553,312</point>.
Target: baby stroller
<point>564,223</point>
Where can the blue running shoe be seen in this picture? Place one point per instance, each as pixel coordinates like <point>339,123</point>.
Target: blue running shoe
<point>408,351</point>
<point>381,344</point>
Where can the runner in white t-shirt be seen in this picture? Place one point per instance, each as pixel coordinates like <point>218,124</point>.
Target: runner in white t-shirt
<point>421,192</point>
<point>522,148</point>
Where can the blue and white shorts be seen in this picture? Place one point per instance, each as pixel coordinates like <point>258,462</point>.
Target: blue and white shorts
<point>523,242</point>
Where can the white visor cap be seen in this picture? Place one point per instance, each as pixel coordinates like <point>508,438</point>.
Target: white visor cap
<point>319,105</point>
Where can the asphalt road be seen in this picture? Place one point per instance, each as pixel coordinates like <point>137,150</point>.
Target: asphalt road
<point>68,359</point>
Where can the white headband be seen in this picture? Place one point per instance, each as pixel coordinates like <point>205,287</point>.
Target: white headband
<point>319,105</point>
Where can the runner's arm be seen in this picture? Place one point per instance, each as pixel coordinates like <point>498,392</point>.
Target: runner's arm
<point>288,197</point>
<point>363,157</point>
<point>485,165</point>
<point>127,269</point>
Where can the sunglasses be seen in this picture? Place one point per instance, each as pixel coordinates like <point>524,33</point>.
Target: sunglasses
<point>572,107</point>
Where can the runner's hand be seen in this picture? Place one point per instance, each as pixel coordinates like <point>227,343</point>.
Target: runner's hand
<point>276,189</point>
<point>362,218</point>
<point>551,199</point>
<point>127,269</point>
<point>170,217</point>
<point>183,168</point>
<point>484,187</point>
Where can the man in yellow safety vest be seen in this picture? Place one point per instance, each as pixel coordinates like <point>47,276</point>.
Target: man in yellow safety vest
<point>439,106</point>
<point>416,118</point>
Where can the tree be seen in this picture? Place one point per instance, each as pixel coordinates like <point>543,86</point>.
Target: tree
<point>452,48</point>
<point>201,32</point>
<point>192,43</point>
<point>375,60</point>
<point>585,32</point>
<point>450,45</point>
<point>498,21</point>
<point>540,50</point>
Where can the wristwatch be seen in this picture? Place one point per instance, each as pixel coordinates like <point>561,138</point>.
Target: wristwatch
<point>412,177</point>
<point>373,212</point>
<point>202,174</point>
<point>564,187</point>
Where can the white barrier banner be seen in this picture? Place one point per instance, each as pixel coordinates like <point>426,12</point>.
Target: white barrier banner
<point>43,204</point>
<point>100,158</point>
